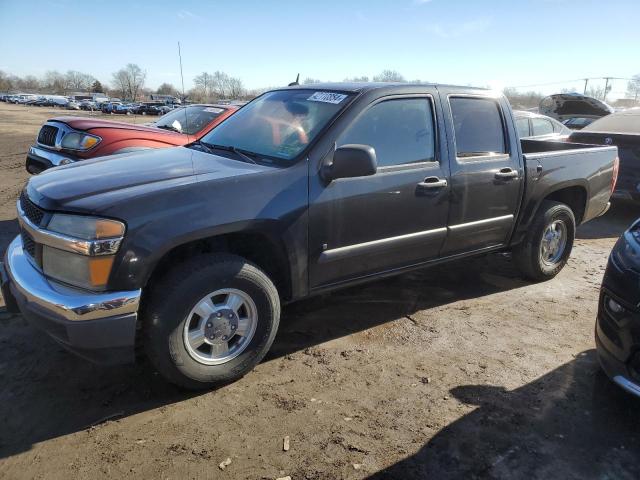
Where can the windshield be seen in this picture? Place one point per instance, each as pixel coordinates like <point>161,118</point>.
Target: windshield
<point>278,124</point>
<point>189,119</point>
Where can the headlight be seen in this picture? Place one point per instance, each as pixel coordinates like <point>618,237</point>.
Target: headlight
<point>84,256</point>
<point>87,228</point>
<point>79,141</point>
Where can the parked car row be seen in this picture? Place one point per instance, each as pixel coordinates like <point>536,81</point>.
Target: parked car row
<point>36,100</point>
<point>112,106</point>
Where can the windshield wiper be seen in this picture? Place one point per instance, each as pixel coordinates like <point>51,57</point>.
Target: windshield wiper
<point>230,148</point>
<point>202,145</point>
<point>168,127</point>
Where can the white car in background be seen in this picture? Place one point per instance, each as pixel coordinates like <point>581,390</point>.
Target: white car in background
<point>534,125</point>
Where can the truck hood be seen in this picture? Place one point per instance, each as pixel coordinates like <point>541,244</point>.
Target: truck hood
<point>85,124</point>
<point>95,185</point>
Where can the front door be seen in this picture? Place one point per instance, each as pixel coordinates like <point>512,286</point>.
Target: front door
<point>397,217</point>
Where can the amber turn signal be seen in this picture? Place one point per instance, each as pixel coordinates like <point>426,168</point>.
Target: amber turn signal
<point>99,270</point>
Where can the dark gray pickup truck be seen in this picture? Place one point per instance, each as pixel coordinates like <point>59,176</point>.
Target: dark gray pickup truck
<point>189,252</point>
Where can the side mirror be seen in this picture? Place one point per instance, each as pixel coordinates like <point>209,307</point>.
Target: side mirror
<point>351,161</point>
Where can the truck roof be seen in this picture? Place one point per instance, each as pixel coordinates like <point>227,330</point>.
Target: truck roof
<point>368,86</point>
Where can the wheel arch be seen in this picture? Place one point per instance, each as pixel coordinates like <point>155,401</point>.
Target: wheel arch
<point>574,194</point>
<point>262,247</point>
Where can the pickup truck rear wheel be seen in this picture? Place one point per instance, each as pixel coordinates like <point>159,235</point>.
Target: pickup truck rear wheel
<point>210,320</point>
<point>548,244</point>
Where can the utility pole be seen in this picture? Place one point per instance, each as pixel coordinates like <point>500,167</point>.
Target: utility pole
<point>586,82</point>
<point>606,88</point>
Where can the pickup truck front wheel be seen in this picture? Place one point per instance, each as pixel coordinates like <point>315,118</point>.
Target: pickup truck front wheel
<point>210,320</point>
<point>548,243</point>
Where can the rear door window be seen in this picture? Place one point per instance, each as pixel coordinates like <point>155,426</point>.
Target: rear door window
<point>478,126</point>
<point>541,126</point>
<point>522,124</point>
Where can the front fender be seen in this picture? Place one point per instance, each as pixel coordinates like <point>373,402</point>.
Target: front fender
<point>273,204</point>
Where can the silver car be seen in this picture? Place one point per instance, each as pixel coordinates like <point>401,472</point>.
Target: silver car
<point>534,125</point>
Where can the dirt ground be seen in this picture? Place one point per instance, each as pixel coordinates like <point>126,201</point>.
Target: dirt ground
<point>463,371</point>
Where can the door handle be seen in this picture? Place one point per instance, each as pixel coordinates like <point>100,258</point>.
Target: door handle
<point>507,174</point>
<point>433,182</point>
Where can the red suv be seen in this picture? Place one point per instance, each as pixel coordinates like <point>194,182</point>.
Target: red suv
<point>63,140</point>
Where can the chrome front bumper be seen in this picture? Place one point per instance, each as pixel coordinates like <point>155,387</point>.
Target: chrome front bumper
<point>59,300</point>
<point>40,159</point>
<point>55,158</point>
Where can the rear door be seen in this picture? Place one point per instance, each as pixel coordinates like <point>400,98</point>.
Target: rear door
<point>395,218</point>
<point>486,172</point>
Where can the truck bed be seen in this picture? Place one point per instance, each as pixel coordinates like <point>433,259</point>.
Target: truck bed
<point>554,165</point>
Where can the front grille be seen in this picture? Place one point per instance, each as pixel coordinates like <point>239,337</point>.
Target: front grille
<point>31,210</point>
<point>47,135</point>
<point>28,244</point>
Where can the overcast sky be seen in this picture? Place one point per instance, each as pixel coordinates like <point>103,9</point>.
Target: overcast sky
<point>479,42</point>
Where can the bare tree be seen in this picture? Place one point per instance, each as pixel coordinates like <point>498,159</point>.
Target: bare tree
<point>221,84</point>
<point>29,83</point>
<point>5,82</point>
<point>236,88</point>
<point>55,82</point>
<point>210,86</point>
<point>120,83</point>
<point>167,89</point>
<point>389,76</point>
<point>78,81</point>
<point>633,87</point>
<point>598,92</point>
<point>135,77</point>
<point>129,81</point>
<point>254,92</point>
<point>203,87</point>
<point>362,79</point>
<point>522,100</point>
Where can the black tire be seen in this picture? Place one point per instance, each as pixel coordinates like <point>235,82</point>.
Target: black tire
<point>527,255</point>
<point>172,298</point>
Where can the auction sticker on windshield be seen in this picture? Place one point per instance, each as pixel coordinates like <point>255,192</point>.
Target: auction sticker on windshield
<point>327,97</point>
